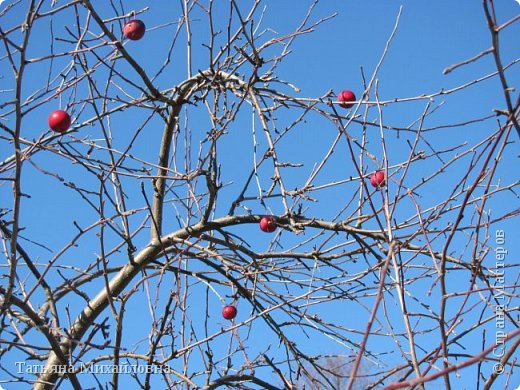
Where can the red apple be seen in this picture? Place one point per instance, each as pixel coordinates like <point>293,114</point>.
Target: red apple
<point>229,312</point>
<point>59,121</point>
<point>134,29</point>
<point>268,224</point>
<point>346,96</point>
<point>378,179</point>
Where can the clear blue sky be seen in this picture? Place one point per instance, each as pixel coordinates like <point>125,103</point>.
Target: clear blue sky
<point>432,35</point>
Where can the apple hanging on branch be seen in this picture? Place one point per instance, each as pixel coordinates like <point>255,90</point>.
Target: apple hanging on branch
<point>345,97</point>
<point>134,29</point>
<point>229,312</point>
<point>268,224</point>
<point>378,179</point>
<point>59,121</point>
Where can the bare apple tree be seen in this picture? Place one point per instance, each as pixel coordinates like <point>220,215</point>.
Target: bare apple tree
<point>126,235</point>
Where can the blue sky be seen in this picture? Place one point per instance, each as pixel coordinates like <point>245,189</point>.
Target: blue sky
<point>337,55</point>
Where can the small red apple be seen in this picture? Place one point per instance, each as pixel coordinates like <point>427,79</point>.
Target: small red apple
<point>229,312</point>
<point>268,224</point>
<point>134,29</point>
<point>59,121</point>
<point>346,96</point>
<point>378,179</point>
